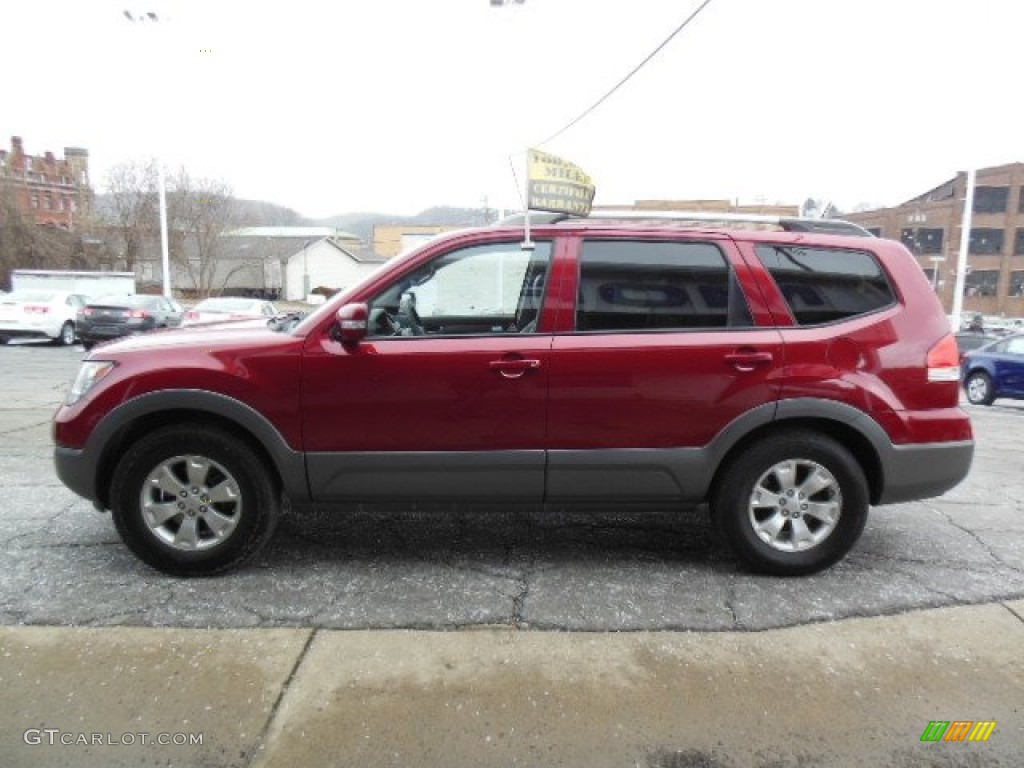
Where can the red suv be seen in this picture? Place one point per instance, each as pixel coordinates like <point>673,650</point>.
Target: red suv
<point>789,378</point>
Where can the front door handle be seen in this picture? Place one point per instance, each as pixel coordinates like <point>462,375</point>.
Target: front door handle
<point>748,361</point>
<point>514,368</point>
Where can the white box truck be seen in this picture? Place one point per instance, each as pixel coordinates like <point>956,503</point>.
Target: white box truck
<point>88,284</point>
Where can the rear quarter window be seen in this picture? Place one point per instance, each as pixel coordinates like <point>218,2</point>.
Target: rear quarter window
<point>825,285</point>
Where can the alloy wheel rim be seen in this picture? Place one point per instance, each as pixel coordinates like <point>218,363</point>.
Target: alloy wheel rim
<point>977,389</point>
<point>190,503</point>
<point>795,505</point>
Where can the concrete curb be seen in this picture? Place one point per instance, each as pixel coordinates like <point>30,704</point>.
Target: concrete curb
<point>859,691</point>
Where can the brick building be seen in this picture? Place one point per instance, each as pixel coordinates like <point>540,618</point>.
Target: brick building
<point>53,191</point>
<point>930,226</point>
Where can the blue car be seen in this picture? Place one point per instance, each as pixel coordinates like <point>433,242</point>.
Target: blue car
<point>995,370</point>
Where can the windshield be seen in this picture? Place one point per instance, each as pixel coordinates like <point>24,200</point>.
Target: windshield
<point>331,306</point>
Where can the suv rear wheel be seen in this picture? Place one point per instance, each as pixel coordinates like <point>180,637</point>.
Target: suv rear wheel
<point>191,500</point>
<point>792,503</point>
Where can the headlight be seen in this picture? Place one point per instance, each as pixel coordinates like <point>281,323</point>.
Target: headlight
<point>88,376</point>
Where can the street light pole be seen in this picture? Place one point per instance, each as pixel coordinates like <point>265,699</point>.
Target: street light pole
<point>965,243</point>
<point>305,271</point>
<point>165,258</point>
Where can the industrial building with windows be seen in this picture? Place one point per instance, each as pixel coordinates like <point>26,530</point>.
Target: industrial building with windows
<point>930,226</point>
<point>51,191</point>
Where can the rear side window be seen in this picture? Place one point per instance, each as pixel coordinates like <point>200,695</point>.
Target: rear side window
<point>629,285</point>
<point>823,285</point>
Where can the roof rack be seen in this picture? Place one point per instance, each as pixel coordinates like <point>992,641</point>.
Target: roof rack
<point>536,219</point>
<point>786,223</point>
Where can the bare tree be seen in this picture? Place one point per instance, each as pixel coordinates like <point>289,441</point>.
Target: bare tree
<point>27,245</point>
<point>132,215</point>
<point>200,211</point>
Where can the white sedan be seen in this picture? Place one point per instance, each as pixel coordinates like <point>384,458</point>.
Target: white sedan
<point>39,314</point>
<point>228,308</point>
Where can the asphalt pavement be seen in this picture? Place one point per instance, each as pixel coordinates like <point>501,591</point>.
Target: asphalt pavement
<point>646,643</point>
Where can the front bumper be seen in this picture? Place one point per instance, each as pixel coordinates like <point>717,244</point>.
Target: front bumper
<point>77,470</point>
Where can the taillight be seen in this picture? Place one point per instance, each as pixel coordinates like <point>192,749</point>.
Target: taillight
<point>87,311</point>
<point>944,360</point>
<point>191,315</point>
<point>141,313</point>
<point>37,310</point>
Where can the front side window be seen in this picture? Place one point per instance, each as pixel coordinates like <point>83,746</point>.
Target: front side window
<point>628,285</point>
<point>823,285</point>
<point>495,288</point>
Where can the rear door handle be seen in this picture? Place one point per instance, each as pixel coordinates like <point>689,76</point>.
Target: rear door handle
<point>748,361</point>
<point>513,369</point>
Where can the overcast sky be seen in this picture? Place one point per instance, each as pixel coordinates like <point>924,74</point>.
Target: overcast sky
<point>396,105</point>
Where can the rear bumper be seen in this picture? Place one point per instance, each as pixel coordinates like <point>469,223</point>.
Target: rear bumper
<point>924,470</point>
<point>89,334</point>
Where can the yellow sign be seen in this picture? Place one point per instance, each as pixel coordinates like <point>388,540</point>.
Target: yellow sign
<point>557,185</point>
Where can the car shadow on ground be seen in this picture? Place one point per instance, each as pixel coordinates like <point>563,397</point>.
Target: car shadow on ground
<point>443,532</point>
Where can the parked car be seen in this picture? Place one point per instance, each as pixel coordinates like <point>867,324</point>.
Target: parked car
<point>967,341</point>
<point>995,371</point>
<point>110,317</point>
<point>228,308</point>
<point>39,314</point>
<point>789,379</point>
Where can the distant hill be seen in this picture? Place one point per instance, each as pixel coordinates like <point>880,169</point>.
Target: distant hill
<point>362,223</point>
<point>251,213</point>
<point>259,213</point>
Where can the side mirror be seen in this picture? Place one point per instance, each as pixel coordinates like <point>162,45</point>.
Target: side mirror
<point>352,320</point>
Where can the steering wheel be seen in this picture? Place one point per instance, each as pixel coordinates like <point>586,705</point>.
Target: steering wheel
<point>383,323</point>
<point>408,317</point>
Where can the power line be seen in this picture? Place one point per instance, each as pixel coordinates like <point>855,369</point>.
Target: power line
<point>636,69</point>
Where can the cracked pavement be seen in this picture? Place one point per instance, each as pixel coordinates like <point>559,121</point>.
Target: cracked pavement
<point>443,568</point>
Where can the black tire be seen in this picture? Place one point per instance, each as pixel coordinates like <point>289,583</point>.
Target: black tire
<point>192,460</point>
<point>88,344</point>
<point>67,335</point>
<point>3,340</point>
<point>792,536</point>
<point>979,389</point>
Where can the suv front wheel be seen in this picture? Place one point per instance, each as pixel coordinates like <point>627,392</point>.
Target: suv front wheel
<point>792,503</point>
<point>193,500</point>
